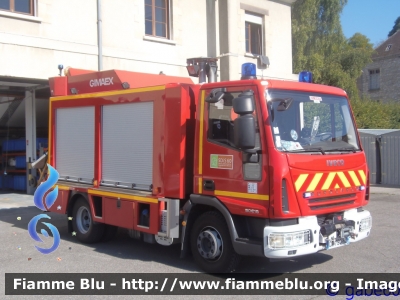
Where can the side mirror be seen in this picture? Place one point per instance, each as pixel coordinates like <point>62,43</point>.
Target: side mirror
<point>245,132</point>
<point>216,95</point>
<point>244,103</point>
<point>284,104</point>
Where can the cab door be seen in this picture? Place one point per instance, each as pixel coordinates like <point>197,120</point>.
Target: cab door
<point>225,171</point>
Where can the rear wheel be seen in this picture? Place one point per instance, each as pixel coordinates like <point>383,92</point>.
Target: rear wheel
<point>87,231</point>
<point>211,244</point>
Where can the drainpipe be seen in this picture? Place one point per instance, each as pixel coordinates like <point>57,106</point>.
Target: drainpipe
<point>211,29</point>
<point>99,36</point>
<point>228,45</point>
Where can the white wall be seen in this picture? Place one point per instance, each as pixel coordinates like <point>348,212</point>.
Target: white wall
<point>126,47</point>
<point>65,32</point>
<point>277,39</point>
<point>60,34</point>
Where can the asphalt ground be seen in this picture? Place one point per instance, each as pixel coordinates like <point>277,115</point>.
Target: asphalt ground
<point>376,254</point>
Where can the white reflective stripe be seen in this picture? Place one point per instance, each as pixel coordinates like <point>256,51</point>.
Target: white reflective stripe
<point>253,19</point>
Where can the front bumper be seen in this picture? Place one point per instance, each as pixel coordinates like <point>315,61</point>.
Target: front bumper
<point>317,241</point>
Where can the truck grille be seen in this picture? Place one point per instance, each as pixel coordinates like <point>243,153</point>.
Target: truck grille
<point>331,201</point>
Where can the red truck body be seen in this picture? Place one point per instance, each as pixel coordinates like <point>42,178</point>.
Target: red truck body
<point>165,172</point>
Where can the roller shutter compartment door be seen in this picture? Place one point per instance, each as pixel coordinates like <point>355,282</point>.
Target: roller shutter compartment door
<point>127,145</point>
<point>75,144</point>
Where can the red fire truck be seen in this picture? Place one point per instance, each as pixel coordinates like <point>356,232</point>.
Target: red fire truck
<point>253,167</point>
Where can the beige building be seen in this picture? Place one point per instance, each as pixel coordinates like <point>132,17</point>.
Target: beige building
<point>380,78</point>
<point>146,35</point>
<point>149,36</point>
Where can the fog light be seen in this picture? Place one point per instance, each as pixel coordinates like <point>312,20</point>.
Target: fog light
<point>365,224</point>
<point>307,194</point>
<point>361,188</point>
<point>289,240</point>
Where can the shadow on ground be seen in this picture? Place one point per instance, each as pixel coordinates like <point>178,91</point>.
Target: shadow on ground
<point>123,247</point>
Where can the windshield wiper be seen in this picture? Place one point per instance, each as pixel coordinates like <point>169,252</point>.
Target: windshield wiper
<point>310,150</point>
<point>343,149</point>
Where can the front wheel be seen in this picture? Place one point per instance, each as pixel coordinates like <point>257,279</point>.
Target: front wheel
<point>87,231</point>
<point>211,244</point>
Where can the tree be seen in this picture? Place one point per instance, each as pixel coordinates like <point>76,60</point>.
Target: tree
<point>360,41</point>
<point>395,27</point>
<point>316,30</point>
<point>356,55</point>
<point>319,45</point>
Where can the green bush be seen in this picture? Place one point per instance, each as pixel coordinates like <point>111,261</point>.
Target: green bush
<point>372,114</point>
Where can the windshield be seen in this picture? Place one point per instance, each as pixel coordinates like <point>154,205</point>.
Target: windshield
<point>308,122</point>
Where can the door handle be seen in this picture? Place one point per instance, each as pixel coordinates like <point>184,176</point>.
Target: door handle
<point>209,185</point>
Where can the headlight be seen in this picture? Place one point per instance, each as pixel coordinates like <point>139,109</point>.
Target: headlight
<point>366,224</point>
<point>289,240</point>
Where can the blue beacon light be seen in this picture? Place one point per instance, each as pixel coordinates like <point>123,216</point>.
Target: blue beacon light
<point>249,71</point>
<point>305,76</point>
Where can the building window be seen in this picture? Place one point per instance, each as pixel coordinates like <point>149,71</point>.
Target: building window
<point>18,6</point>
<point>254,34</point>
<point>156,18</point>
<point>374,79</point>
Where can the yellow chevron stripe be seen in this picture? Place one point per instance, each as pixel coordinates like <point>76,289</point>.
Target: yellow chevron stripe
<point>354,178</point>
<point>299,182</point>
<point>314,182</point>
<point>344,179</point>
<point>362,174</point>
<point>328,181</point>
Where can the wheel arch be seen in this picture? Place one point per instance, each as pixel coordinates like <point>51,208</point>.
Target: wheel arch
<point>199,204</point>
<point>207,203</point>
<point>71,202</point>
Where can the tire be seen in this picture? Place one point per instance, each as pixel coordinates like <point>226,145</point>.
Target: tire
<point>86,230</point>
<point>211,244</point>
<point>109,233</point>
